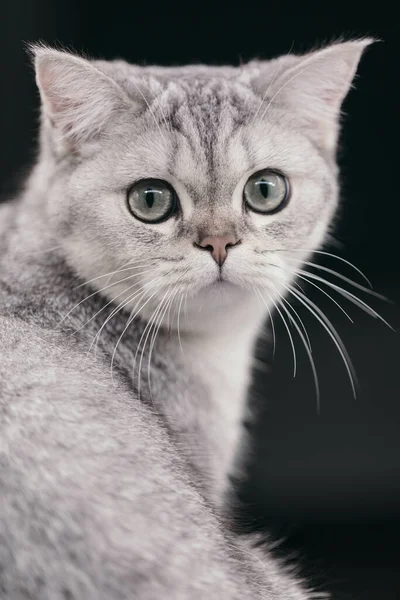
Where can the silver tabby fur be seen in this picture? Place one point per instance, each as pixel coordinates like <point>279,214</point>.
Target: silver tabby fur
<point>112,488</point>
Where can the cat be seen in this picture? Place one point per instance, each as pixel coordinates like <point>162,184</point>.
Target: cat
<point>161,225</point>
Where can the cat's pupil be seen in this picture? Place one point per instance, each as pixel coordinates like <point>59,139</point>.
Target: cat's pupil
<point>150,197</point>
<point>264,188</point>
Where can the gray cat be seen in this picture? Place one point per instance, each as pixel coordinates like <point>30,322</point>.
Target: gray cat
<point>166,216</point>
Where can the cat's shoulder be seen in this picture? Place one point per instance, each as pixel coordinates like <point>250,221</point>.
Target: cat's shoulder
<point>34,359</point>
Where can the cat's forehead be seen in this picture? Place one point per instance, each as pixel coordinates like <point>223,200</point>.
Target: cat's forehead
<point>202,112</point>
<point>200,126</point>
<point>207,117</point>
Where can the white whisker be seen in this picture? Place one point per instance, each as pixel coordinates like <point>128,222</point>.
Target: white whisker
<point>280,90</point>
<point>277,72</point>
<point>347,262</point>
<point>150,109</point>
<point>125,268</point>
<point>157,100</point>
<point>330,329</point>
<point>307,347</point>
<point>39,252</point>
<point>343,260</point>
<point>105,306</point>
<point>343,277</point>
<point>119,306</point>
<point>177,326</point>
<point>98,292</point>
<point>348,295</point>
<point>286,301</point>
<point>286,327</point>
<point>156,331</point>
<point>159,323</point>
<point>271,320</point>
<point>130,320</point>
<point>149,326</point>
<point>297,273</point>
<point>127,264</point>
<point>138,294</point>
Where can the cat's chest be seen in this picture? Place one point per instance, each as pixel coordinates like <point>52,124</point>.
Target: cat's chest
<point>224,371</point>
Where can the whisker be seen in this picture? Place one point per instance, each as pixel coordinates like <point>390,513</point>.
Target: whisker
<point>348,295</point>
<point>278,70</point>
<point>330,329</point>
<point>347,262</point>
<point>280,90</point>
<point>135,266</point>
<point>156,329</point>
<point>344,278</point>
<point>301,323</point>
<point>119,306</point>
<point>149,326</point>
<point>297,272</point>
<point>343,260</point>
<point>169,316</point>
<point>38,252</point>
<point>139,293</point>
<point>157,100</point>
<point>180,281</point>
<point>308,351</point>
<point>287,329</point>
<point>150,109</point>
<point>179,312</point>
<point>271,320</point>
<point>130,320</point>
<point>185,309</point>
<point>127,264</point>
<point>105,306</point>
<point>98,292</point>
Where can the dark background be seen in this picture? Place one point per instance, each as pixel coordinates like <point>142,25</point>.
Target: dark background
<point>328,482</point>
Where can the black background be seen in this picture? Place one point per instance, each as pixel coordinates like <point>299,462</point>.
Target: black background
<point>329,482</point>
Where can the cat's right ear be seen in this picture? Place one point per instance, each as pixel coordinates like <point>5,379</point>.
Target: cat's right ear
<point>78,99</point>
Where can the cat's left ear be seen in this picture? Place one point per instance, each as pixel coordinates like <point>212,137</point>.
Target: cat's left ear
<point>79,100</point>
<point>314,85</point>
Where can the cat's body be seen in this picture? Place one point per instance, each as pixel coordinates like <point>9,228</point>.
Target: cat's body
<point>113,483</point>
<point>101,499</point>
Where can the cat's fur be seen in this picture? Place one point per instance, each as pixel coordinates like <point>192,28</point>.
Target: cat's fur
<point>111,488</point>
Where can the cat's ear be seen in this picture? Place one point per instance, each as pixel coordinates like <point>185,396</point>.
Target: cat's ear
<point>314,85</point>
<point>78,99</point>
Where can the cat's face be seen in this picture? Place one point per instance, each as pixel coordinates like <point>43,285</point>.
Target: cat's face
<point>197,185</point>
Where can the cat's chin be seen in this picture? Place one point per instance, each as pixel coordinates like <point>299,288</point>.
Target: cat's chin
<point>218,286</point>
<point>221,291</point>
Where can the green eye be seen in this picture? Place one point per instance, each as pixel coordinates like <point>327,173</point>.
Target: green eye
<point>266,192</point>
<point>152,200</point>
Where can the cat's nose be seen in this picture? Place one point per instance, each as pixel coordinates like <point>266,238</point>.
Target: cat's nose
<point>218,246</point>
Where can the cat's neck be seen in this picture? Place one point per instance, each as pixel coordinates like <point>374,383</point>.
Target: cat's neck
<point>221,360</point>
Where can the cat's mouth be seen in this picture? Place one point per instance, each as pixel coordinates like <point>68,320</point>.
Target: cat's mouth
<point>220,282</point>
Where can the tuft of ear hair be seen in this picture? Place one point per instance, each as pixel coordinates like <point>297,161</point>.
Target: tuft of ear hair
<point>78,99</point>
<point>314,85</point>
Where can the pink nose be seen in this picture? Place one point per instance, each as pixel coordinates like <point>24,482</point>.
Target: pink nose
<point>218,246</point>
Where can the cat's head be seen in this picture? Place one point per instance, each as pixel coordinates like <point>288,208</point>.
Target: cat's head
<point>192,183</point>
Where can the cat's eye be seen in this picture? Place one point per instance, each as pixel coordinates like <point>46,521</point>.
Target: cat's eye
<point>152,200</point>
<point>266,192</point>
